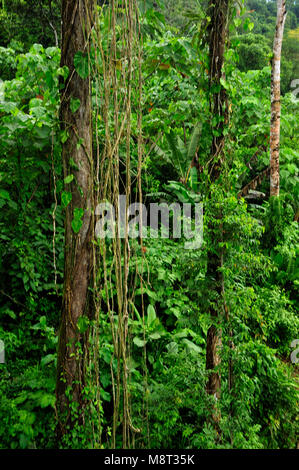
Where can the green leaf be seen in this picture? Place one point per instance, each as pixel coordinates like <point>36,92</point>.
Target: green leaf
<point>224,83</point>
<point>177,156</point>
<point>151,314</point>
<point>191,346</point>
<point>179,190</point>
<point>81,64</point>
<point>194,183</point>
<point>66,198</point>
<point>49,79</point>
<point>139,342</point>
<point>75,104</point>
<point>64,136</point>
<point>155,335</point>
<point>77,221</point>
<point>105,395</point>
<point>76,225</point>
<point>73,164</point>
<point>10,313</point>
<point>68,179</point>
<point>79,143</point>
<point>47,400</point>
<point>20,399</point>
<point>63,71</point>
<point>4,194</point>
<point>78,212</point>
<point>82,324</point>
<point>47,359</point>
<point>172,348</point>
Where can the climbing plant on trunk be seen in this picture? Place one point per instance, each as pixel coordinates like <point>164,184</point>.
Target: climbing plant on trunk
<point>75,115</point>
<point>217,37</point>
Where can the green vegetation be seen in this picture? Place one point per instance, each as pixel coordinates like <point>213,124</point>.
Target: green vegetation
<point>169,405</point>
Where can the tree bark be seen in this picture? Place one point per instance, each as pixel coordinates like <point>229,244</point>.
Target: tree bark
<point>77,161</point>
<point>275,99</point>
<point>218,32</point>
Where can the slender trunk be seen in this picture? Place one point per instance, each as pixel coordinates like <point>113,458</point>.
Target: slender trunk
<point>218,31</point>
<point>275,99</point>
<point>77,161</point>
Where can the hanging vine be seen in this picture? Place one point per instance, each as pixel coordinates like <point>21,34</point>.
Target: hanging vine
<point>116,68</point>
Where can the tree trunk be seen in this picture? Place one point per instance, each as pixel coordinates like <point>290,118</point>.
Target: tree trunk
<point>275,99</point>
<point>218,31</point>
<point>77,161</point>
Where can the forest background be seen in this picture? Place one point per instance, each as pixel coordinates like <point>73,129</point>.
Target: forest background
<point>169,406</point>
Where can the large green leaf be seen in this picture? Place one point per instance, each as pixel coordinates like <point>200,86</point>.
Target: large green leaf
<point>66,198</point>
<point>81,64</point>
<point>151,314</point>
<point>176,154</point>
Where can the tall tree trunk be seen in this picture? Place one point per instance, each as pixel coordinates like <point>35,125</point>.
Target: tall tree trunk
<point>218,31</point>
<point>77,161</point>
<point>275,99</point>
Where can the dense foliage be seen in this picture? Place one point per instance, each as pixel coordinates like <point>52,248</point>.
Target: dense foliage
<point>261,236</point>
